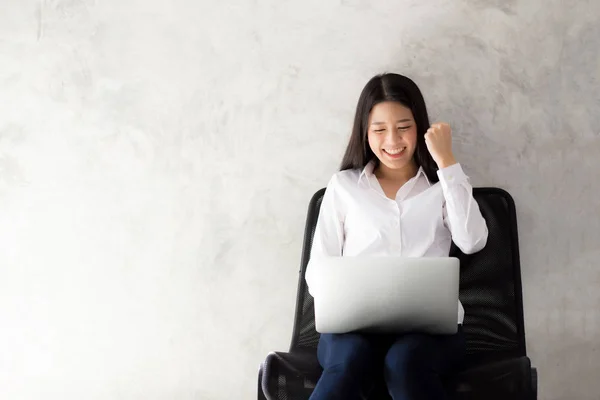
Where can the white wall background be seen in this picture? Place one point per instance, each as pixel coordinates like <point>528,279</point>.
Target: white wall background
<point>157,158</point>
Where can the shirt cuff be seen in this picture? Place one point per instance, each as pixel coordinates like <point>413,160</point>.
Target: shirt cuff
<point>452,175</point>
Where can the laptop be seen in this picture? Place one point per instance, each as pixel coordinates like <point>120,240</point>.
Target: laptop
<point>385,294</point>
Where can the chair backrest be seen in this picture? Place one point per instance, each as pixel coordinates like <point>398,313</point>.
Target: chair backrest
<point>490,284</point>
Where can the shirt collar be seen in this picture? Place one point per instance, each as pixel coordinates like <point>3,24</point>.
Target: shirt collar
<point>367,172</point>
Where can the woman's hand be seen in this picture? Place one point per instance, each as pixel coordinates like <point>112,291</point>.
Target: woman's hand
<point>439,143</point>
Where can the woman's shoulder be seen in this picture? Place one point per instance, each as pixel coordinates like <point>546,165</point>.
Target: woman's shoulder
<point>345,177</point>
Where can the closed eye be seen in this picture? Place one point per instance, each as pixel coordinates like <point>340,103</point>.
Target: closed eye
<point>402,128</point>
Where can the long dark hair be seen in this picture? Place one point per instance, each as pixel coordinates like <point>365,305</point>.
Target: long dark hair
<point>388,87</point>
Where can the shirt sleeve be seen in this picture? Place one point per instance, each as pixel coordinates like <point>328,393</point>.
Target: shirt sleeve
<point>461,212</point>
<point>328,240</point>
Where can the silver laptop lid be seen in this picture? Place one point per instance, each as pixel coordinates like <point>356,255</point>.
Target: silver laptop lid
<point>386,294</point>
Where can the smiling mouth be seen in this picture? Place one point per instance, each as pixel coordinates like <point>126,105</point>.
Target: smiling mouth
<point>395,152</point>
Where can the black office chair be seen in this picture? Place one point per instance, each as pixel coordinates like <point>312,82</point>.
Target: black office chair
<point>490,291</point>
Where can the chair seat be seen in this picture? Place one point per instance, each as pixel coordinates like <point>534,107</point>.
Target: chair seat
<point>293,376</point>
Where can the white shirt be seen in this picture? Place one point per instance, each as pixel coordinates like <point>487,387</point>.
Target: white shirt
<point>357,218</point>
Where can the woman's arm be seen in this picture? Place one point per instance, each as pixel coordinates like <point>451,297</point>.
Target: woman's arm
<point>328,239</point>
<point>461,213</point>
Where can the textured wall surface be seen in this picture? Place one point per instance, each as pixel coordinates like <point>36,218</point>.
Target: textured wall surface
<point>157,158</point>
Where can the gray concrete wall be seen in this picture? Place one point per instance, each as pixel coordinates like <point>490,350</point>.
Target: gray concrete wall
<point>157,158</point>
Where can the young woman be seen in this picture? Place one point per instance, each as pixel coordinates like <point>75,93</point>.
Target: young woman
<point>400,192</point>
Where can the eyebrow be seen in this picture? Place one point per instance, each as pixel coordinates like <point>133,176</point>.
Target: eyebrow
<point>400,120</point>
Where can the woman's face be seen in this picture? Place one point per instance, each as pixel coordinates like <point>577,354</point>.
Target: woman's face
<point>392,134</point>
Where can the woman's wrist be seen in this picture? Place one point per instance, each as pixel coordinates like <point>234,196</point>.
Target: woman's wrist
<point>447,162</point>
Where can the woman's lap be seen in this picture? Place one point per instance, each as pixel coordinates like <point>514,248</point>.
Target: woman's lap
<point>360,357</point>
<point>444,351</point>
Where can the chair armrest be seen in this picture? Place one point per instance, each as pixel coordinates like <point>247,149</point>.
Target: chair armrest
<point>289,374</point>
<point>503,379</point>
<point>261,394</point>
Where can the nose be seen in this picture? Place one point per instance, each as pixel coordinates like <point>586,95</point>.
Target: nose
<point>394,136</point>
